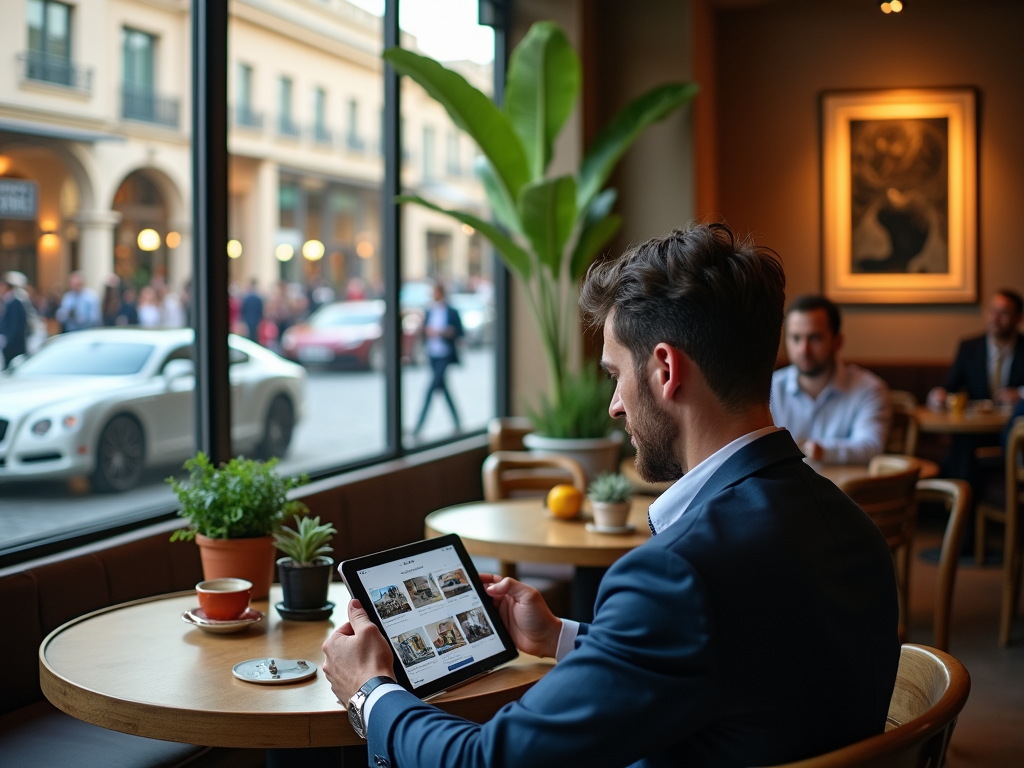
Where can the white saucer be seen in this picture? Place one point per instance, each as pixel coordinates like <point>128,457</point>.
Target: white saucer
<point>198,618</point>
<point>285,671</point>
<point>615,529</point>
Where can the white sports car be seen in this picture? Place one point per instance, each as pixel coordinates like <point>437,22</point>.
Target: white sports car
<point>109,402</point>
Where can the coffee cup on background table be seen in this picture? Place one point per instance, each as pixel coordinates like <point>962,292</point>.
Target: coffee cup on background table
<point>224,599</point>
<point>956,402</point>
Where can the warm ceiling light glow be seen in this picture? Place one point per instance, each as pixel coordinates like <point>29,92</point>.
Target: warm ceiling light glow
<point>49,241</point>
<point>284,252</point>
<point>234,249</point>
<point>5,164</point>
<point>48,225</point>
<point>148,240</point>
<point>173,239</point>
<point>364,249</point>
<point>896,6</point>
<point>313,250</point>
<point>886,7</point>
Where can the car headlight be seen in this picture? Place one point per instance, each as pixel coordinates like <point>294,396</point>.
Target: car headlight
<point>41,427</point>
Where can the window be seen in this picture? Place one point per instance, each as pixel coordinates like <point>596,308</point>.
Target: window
<point>454,164</point>
<point>321,134</point>
<point>352,138</point>
<point>245,115</point>
<point>429,171</point>
<point>49,43</point>
<point>139,98</point>
<point>286,124</point>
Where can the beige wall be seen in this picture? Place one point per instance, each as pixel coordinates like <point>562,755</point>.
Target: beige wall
<point>774,60</point>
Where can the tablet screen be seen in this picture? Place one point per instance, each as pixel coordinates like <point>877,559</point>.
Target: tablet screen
<point>430,605</point>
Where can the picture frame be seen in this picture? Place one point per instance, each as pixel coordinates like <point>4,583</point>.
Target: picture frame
<point>900,199</point>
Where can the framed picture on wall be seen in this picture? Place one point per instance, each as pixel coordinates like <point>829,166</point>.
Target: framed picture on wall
<point>899,182</point>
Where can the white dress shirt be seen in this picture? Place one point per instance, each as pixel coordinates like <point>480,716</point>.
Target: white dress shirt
<point>849,418</point>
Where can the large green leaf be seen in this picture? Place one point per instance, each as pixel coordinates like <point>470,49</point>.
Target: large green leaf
<point>472,111</point>
<point>501,204</point>
<point>547,209</point>
<point>592,240</point>
<point>515,257</point>
<point>616,138</point>
<point>543,83</point>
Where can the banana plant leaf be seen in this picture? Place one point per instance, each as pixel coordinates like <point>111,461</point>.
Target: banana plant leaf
<point>547,209</point>
<point>544,77</point>
<point>502,207</point>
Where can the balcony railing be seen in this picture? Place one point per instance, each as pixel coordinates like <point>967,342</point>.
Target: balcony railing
<point>45,68</point>
<point>145,105</point>
<point>354,143</point>
<point>247,117</point>
<point>287,128</point>
<point>322,134</point>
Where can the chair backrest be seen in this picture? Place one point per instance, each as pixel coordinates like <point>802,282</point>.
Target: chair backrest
<point>903,428</point>
<point>1015,462</point>
<point>931,690</point>
<point>956,496</point>
<point>893,463</point>
<point>509,473</point>
<point>506,433</point>
<point>890,500</point>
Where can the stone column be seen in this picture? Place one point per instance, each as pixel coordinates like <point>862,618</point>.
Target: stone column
<point>96,246</point>
<point>258,255</point>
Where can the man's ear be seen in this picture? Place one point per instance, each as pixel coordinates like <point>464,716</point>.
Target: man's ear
<point>670,369</point>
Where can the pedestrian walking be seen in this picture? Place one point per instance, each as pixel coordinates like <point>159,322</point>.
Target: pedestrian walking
<point>442,329</point>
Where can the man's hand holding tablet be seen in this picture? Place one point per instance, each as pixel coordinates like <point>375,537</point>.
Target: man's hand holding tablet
<point>356,652</point>
<point>532,625</point>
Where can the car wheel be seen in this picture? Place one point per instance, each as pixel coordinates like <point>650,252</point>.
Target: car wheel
<point>120,455</point>
<point>377,359</point>
<point>278,428</point>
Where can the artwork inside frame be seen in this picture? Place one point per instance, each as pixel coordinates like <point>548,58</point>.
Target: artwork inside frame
<point>900,200</point>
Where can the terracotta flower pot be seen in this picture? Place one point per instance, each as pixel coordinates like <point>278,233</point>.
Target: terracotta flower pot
<point>249,559</point>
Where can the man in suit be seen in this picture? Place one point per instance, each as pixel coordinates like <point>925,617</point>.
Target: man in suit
<point>442,329</point>
<point>13,323</point>
<point>708,641</point>
<point>252,311</point>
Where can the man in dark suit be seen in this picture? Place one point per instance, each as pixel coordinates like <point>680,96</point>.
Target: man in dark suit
<point>252,311</point>
<point>708,641</point>
<point>442,328</point>
<point>13,323</point>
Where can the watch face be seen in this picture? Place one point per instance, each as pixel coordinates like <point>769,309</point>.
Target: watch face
<point>355,714</point>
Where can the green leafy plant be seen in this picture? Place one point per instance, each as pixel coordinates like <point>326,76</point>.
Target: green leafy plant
<point>549,230</point>
<point>306,542</point>
<point>580,411</point>
<point>242,499</point>
<point>610,488</point>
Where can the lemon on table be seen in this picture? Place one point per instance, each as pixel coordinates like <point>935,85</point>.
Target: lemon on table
<point>565,500</point>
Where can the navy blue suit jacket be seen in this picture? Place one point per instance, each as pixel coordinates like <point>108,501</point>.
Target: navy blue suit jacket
<point>970,368</point>
<point>759,628</point>
<point>451,346</point>
<point>14,327</point>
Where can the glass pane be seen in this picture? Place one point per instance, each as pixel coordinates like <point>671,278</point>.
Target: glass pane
<point>307,278</point>
<point>100,408</point>
<point>447,293</point>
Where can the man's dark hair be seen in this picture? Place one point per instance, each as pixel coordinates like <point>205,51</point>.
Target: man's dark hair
<point>1014,298</point>
<point>718,300</point>
<point>813,302</point>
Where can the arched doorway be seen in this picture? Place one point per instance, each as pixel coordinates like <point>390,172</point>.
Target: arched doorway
<point>137,260</point>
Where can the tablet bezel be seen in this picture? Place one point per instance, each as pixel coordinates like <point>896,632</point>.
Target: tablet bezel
<point>349,570</point>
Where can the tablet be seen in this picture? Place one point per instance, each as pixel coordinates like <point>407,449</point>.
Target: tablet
<point>428,601</point>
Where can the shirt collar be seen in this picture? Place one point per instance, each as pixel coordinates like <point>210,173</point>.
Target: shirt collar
<point>674,502</point>
<point>840,380</point>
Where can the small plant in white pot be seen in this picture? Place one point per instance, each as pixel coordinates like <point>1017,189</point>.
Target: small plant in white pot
<point>305,571</point>
<point>610,497</point>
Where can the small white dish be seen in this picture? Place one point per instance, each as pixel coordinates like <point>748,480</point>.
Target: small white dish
<point>612,529</point>
<point>274,671</point>
<point>198,618</point>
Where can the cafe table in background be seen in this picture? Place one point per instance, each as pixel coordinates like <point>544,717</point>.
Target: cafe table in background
<point>138,668</point>
<point>977,418</point>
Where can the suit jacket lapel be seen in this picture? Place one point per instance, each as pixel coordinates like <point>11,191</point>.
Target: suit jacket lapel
<point>767,450</point>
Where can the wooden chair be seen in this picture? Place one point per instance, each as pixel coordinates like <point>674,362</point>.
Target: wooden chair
<point>931,690</point>
<point>956,496</point>
<point>1010,518</point>
<point>893,463</point>
<point>904,428</point>
<point>506,433</point>
<point>891,501</point>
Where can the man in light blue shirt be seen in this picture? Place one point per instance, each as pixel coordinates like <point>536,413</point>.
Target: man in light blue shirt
<point>837,413</point>
<point>80,307</point>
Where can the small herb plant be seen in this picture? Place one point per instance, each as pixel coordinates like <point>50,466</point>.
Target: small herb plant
<point>610,489</point>
<point>306,542</point>
<point>242,499</point>
<point>579,411</point>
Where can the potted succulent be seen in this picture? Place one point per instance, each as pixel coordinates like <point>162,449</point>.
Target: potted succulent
<point>610,497</point>
<point>305,571</point>
<point>550,229</point>
<point>232,513</point>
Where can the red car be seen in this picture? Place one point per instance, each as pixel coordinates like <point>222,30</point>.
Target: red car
<point>343,333</point>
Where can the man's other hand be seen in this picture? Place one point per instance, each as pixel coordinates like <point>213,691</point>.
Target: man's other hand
<point>1007,396</point>
<point>812,450</point>
<point>532,625</point>
<point>356,652</point>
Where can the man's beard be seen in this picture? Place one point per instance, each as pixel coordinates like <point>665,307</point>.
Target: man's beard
<point>654,435</point>
<point>813,371</point>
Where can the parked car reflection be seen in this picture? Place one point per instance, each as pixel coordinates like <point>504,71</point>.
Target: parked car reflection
<point>108,403</point>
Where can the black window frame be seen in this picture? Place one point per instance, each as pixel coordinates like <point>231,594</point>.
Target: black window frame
<point>210,275</point>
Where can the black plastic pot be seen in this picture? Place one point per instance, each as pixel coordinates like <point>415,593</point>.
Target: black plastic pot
<point>305,586</point>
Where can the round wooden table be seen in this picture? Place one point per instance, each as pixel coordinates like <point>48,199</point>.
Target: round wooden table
<point>972,421</point>
<point>138,668</point>
<point>522,530</point>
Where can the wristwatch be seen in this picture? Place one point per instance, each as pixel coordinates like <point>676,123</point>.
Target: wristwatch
<point>356,703</point>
